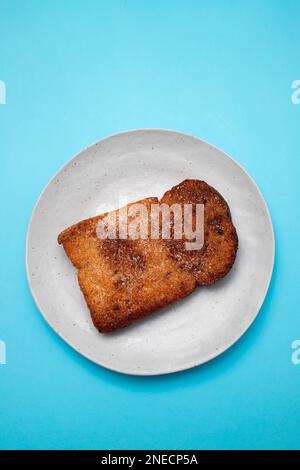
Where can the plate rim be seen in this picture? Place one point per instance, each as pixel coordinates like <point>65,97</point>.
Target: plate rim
<point>140,372</point>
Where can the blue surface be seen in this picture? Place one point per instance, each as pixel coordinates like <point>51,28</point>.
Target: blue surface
<point>78,71</point>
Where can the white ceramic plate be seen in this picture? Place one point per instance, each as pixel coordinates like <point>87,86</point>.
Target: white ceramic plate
<point>127,167</point>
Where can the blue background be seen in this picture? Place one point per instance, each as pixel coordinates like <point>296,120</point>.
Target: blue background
<point>77,71</point>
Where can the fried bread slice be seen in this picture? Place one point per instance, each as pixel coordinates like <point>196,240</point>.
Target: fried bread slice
<point>218,254</point>
<point>124,280</point>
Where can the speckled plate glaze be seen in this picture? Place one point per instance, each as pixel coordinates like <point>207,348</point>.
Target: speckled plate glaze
<point>126,167</point>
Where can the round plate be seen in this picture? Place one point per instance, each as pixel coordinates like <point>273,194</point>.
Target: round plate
<point>124,168</point>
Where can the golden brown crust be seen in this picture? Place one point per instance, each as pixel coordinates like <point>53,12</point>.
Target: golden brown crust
<point>125,280</point>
